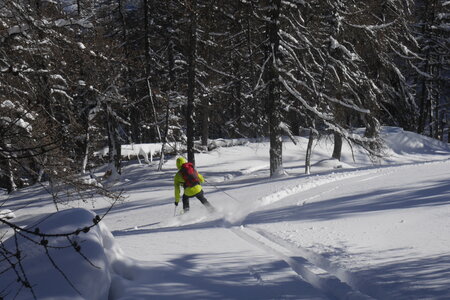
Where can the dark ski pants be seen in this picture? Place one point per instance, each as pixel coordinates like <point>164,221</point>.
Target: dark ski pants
<point>200,196</point>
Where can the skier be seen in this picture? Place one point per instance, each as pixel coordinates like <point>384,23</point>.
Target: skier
<point>191,181</point>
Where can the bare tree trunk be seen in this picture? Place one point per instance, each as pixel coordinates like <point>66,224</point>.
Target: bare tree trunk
<point>205,123</point>
<point>11,184</point>
<point>373,132</point>
<point>150,94</point>
<point>448,133</point>
<point>41,168</point>
<point>79,7</point>
<point>190,131</point>
<point>424,95</point>
<point>337,151</point>
<point>115,155</point>
<point>309,152</point>
<point>251,58</point>
<point>171,64</point>
<point>146,40</point>
<point>273,97</point>
<point>166,132</point>
<point>54,191</point>
<point>85,152</point>
<point>422,109</point>
<point>8,173</point>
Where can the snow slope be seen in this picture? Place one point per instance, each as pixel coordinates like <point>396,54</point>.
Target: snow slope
<point>355,229</point>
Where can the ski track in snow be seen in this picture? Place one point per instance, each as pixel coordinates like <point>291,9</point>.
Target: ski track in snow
<point>319,180</point>
<point>317,270</point>
<point>309,271</point>
<point>313,268</point>
<point>235,218</point>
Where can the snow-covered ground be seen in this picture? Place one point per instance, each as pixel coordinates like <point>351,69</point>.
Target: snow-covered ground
<point>355,229</point>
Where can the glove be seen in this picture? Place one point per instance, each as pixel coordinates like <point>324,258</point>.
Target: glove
<point>176,203</point>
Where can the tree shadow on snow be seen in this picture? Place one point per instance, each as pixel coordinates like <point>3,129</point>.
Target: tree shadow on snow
<point>406,279</point>
<point>210,276</point>
<point>437,194</point>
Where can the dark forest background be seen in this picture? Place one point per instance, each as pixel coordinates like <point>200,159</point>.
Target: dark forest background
<point>80,75</point>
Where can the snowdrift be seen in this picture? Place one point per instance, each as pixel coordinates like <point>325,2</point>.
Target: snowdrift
<point>58,271</point>
<point>400,142</point>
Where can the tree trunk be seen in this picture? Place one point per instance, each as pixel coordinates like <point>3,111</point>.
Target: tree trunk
<point>155,115</point>
<point>115,151</point>
<point>41,172</point>
<point>448,133</point>
<point>8,172</point>
<point>273,96</point>
<point>205,123</point>
<point>79,7</point>
<point>146,40</point>
<point>372,131</point>
<point>11,184</point>
<point>309,152</point>
<point>191,83</point>
<point>171,64</point>
<point>166,132</point>
<point>85,153</point>
<point>337,146</point>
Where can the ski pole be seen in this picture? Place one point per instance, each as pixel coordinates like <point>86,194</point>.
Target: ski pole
<point>175,211</point>
<point>221,190</point>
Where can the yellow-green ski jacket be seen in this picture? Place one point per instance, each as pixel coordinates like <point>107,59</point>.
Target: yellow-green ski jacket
<point>179,181</point>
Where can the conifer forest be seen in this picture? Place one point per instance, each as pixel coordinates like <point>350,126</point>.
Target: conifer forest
<point>77,76</point>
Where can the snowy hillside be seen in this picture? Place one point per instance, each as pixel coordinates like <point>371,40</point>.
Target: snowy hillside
<point>355,229</point>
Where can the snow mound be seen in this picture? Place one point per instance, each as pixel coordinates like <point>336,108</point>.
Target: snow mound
<point>403,142</point>
<point>58,271</point>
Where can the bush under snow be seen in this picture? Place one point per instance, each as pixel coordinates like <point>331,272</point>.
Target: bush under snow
<point>88,277</point>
